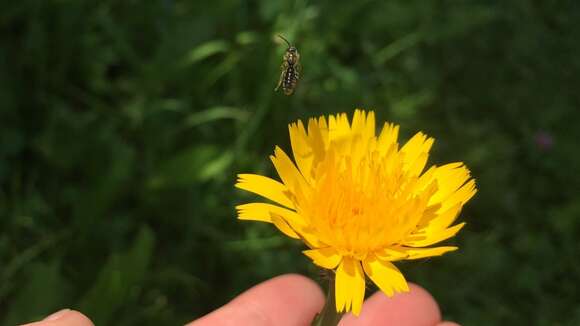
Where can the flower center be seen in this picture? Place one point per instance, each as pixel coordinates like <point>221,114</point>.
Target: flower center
<point>360,207</point>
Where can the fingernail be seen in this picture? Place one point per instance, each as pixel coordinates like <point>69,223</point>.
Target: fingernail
<point>57,315</point>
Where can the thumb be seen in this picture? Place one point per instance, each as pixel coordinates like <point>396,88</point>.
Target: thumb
<point>65,317</point>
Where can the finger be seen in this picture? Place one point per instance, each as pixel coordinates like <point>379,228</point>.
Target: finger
<point>284,300</point>
<point>414,308</point>
<point>448,323</point>
<point>65,317</point>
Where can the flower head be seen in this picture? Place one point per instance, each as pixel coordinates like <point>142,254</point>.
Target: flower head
<point>359,202</point>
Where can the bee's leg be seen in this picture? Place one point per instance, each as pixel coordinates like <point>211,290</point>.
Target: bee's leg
<point>279,81</point>
<point>283,69</point>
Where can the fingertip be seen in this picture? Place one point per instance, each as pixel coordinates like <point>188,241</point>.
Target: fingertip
<point>297,284</point>
<point>64,317</point>
<point>289,299</point>
<point>287,288</point>
<point>422,299</point>
<point>448,323</point>
<point>414,308</point>
<point>77,319</point>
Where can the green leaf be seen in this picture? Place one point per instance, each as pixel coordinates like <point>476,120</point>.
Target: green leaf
<point>196,164</point>
<point>398,46</point>
<point>206,50</point>
<point>120,279</point>
<point>245,38</point>
<point>215,113</point>
<point>43,292</point>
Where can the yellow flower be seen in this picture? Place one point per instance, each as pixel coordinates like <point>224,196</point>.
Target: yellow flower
<point>360,202</point>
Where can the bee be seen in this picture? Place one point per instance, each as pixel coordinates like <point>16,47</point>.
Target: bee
<point>290,69</point>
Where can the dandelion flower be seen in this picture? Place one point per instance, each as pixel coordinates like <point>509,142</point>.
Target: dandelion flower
<point>359,202</point>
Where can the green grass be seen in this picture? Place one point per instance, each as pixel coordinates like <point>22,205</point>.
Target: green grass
<point>123,124</point>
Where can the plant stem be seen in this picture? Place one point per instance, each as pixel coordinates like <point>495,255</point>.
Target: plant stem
<point>328,316</point>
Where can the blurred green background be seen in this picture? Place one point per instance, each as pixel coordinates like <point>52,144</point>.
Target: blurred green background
<point>123,124</point>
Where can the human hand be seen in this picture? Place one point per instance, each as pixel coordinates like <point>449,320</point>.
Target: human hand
<point>291,300</point>
<point>294,300</point>
<point>65,317</point>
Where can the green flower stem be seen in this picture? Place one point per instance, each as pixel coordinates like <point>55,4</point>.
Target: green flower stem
<point>328,316</point>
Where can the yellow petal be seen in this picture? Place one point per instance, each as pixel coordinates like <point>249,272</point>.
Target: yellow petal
<point>339,132</point>
<point>391,254</point>
<point>291,177</point>
<point>452,178</point>
<point>325,257</point>
<point>429,237</point>
<point>385,275</point>
<point>349,286</point>
<point>308,148</point>
<point>362,136</point>
<point>363,124</point>
<point>461,196</point>
<point>284,227</point>
<point>415,153</point>
<point>265,187</point>
<point>370,126</point>
<point>426,179</point>
<point>358,121</point>
<point>318,136</point>
<point>442,220</point>
<point>301,149</point>
<point>263,212</point>
<point>388,137</point>
<point>254,212</point>
<point>311,239</point>
<point>416,253</point>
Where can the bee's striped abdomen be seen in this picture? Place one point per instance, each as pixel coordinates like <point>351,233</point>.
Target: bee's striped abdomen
<point>290,79</point>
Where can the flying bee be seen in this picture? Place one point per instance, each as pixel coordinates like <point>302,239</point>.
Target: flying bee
<point>290,69</point>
